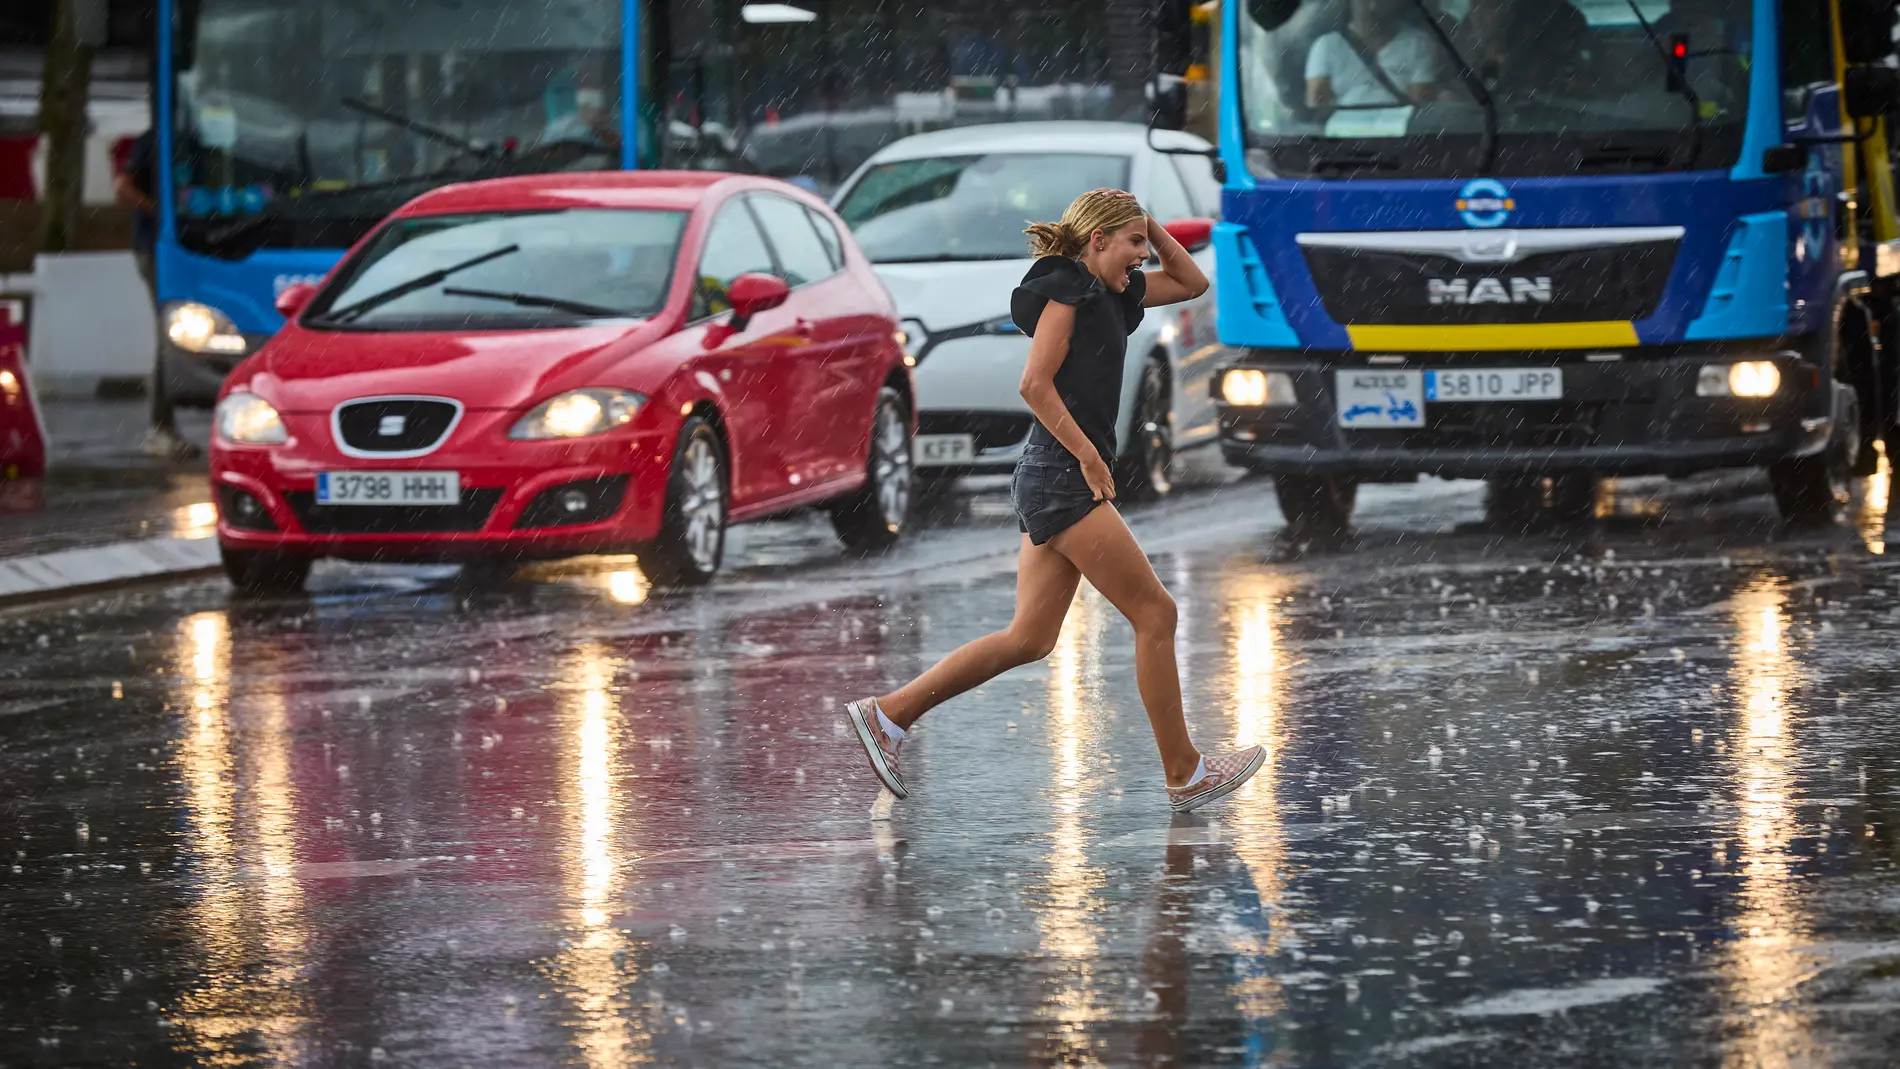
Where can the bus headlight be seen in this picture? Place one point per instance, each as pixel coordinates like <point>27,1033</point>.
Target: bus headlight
<point>1246,387</point>
<point>249,419</point>
<point>200,328</point>
<point>1745,378</point>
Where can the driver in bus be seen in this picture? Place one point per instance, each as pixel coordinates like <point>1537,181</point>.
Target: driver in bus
<point>1533,44</point>
<point>576,110</point>
<point>1405,54</point>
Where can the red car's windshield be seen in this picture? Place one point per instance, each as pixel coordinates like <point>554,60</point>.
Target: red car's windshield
<point>505,271</point>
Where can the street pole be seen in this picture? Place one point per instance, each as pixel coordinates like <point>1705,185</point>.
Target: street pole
<point>65,86</point>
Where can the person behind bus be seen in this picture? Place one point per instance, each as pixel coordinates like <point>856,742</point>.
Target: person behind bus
<point>136,186</point>
<point>1406,54</point>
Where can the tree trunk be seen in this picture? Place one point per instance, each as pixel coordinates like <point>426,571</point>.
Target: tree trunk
<point>65,85</point>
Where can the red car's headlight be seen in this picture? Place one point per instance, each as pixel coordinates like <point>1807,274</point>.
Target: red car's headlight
<point>250,420</point>
<point>578,414</point>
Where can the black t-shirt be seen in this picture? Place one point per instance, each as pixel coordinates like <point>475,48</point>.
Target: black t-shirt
<point>1090,378</point>
<point>141,165</point>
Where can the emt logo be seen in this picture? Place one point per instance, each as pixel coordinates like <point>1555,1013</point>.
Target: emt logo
<point>1485,203</point>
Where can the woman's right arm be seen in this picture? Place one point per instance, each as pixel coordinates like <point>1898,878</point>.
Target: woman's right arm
<point>1047,350</point>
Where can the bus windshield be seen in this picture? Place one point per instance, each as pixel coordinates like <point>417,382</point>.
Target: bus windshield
<point>1427,88</point>
<point>306,123</point>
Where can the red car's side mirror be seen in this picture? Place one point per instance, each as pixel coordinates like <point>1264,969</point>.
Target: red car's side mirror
<point>1192,233</point>
<point>294,298</point>
<point>751,294</point>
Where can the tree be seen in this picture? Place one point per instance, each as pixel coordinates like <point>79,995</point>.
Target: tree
<point>65,86</point>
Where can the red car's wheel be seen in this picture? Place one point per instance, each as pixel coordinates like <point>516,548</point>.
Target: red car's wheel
<point>692,538</point>
<point>873,517</point>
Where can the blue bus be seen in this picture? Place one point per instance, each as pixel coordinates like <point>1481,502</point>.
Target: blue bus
<point>1540,242</point>
<point>289,129</point>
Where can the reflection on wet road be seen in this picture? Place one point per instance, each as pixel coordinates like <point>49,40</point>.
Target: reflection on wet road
<point>1618,794</point>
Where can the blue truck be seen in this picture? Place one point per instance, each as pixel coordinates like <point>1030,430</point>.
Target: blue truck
<point>1543,242</point>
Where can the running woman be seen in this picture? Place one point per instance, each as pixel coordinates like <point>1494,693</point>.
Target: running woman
<point>1079,302</point>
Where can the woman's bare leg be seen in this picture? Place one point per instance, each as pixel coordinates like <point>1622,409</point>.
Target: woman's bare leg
<point>1105,551</point>
<point>1045,586</point>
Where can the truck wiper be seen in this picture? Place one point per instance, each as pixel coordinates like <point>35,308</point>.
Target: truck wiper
<point>1488,152</point>
<point>1687,91</point>
<point>404,289</point>
<point>536,300</point>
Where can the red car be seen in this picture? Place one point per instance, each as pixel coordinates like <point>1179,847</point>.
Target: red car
<point>540,367</point>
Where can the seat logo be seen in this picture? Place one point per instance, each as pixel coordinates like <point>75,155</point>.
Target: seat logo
<point>392,426</point>
<point>1485,203</point>
<point>1489,290</point>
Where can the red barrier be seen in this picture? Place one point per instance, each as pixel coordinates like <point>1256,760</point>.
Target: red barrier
<point>22,436</point>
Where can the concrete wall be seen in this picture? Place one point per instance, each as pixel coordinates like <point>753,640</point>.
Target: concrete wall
<point>92,322</point>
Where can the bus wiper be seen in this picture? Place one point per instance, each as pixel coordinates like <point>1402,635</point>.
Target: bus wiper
<point>536,300</point>
<point>404,289</point>
<point>1687,91</point>
<point>423,129</point>
<point>1473,84</point>
<point>948,258</point>
<point>1339,163</point>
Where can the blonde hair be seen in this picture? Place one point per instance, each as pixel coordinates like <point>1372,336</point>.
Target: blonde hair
<point>1098,209</point>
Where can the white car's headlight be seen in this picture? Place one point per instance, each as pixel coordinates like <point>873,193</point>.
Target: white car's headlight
<point>200,328</point>
<point>577,414</point>
<point>913,337</point>
<point>250,420</point>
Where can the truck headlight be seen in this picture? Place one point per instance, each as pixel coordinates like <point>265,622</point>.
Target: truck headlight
<point>578,414</point>
<point>1745,378</point>
<point>250,420</point>
<point>200,328</point>
<point>1246,387</point>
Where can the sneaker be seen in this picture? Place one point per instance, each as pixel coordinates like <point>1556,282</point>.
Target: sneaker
<point>878,745</point>
<point>1224,776</point>
<point>165,444</point>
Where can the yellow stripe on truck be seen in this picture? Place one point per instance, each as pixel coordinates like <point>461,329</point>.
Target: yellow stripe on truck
<point>1493,336</point>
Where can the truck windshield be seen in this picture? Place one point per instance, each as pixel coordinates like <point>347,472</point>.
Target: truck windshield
<point>505,271</point>
<point>1383,88</point>
<point>298,124</point>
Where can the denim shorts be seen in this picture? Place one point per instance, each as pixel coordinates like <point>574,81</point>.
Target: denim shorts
<point>1049,492</point>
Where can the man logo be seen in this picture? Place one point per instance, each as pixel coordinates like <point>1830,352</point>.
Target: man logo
<point>1489,290</point>
<point>393,426</point>
<point>1485,203</point>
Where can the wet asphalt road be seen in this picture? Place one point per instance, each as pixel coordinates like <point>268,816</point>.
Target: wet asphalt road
<point>1614,793</point>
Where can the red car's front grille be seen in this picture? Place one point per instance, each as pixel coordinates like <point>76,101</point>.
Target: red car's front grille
<point>470,514</point>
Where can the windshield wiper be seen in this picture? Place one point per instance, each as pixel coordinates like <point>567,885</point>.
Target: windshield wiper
<point>1687,91</point>
<point>1339,163</point>
<point>536,300</point>
<point>404,289</point>
<point>947,258</point>
<point>420,128</point>
<point>1473,84</point>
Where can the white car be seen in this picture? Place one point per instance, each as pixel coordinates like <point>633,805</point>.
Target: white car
<point>941,216</point>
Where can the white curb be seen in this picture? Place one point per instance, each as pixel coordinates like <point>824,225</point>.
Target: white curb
<point>120,562</point>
